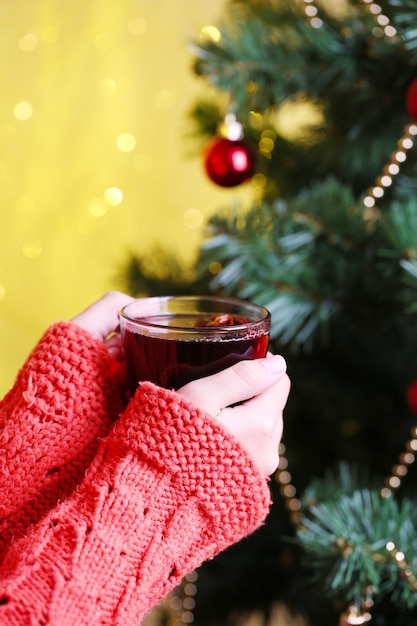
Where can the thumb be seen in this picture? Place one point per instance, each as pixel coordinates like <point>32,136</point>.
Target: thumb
<point>237,383</point>
<point>102,317</point>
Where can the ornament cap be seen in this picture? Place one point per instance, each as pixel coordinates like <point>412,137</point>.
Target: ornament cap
<point>232,129</point>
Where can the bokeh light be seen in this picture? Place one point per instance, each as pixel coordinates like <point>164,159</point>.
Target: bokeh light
<point>94,161</point>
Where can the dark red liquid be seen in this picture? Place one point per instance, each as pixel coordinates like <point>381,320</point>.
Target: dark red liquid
<point>172,363</point>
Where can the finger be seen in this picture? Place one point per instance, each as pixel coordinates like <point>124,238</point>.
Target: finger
<point>235,384</point>
<point>272,399</point>
<point>276,396</point>
<point>258,424</point>
<point>102,317</point>
<point>113,343</point>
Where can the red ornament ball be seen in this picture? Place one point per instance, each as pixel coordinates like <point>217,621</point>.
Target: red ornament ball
<point>412,397</point>
<point>229,162</point>
<point>411,99</point>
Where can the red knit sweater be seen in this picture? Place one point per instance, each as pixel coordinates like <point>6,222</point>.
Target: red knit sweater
<point>103,508</point>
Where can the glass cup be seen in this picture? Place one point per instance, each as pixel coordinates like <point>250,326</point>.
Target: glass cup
<point>172,340</point>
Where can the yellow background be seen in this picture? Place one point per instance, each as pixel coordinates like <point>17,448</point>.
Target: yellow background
<point>94,162</point>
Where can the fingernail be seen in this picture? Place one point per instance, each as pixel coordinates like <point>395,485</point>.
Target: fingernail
<point>275,364</point>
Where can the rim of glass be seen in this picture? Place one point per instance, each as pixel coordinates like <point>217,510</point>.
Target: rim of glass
<point>225,300</point>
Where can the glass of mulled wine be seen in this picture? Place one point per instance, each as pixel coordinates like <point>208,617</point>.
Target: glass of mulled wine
<point>172,340</point>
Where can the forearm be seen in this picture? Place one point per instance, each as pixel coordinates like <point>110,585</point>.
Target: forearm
<point>168,490</point>
<point>65,398</point>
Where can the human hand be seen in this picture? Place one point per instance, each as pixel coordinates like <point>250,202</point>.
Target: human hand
<point>101,319</point>
<point>261,388</point>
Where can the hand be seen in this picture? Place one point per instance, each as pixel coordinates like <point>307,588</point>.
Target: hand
<point>261,388</point>
<point>101,319</point>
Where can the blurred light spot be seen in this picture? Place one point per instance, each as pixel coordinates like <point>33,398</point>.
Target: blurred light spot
<point>259,180</point>
<point>215,267</point>
<point>51,34</point>
<point>266,145</point>
<point>126,142</point>
<point>103,41</point>
<point>32,248</point>
<point>113,196</point>
<point>2,291</point>
<point>25,205</point>
<point>175,603</point>
<point>97,207</point>
<point>23,110</point>
<point>28,42</point>
<point>193,218</point>
<point>294,118</point>
<point>255,115</point>
<point>210,32</point>
<point>107,87</point>
<point>165,99</point>
<point>240,160</point>
<point>143,162</point>
<point>251,87</point>
<point>137,26</point>
<point>269,134</point>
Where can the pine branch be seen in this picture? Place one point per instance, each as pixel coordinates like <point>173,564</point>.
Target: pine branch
<point>268,54</point>
<point>296,258</point>
<point>341,287</point>
<point>346,543</point>
<point>404,16</point>
<point>159,272</point>
<point>276,51</point>
<point>324,272</point>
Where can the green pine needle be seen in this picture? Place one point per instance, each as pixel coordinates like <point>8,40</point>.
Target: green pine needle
<point>345,540</point>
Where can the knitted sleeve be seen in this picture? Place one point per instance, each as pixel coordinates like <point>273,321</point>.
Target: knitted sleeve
<point>168,489</point>
<point>65,398</point>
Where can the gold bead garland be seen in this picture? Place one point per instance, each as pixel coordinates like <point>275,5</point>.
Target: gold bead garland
<point>311,13</point>
<point>283,477</point>
<point>400,470</point>
<point>399,559</point>
<point>383,24</point>
<point>399,156</point>
<point>392,168</point>
<point>181,601</point>
<point>382,20</point>
<point>355,616</point>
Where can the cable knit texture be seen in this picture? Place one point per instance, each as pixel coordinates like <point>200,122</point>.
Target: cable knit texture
<point>63,401</point>
<point>101,517</point>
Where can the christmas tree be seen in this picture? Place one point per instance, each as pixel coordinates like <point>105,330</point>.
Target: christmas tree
<point>329,245</point>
